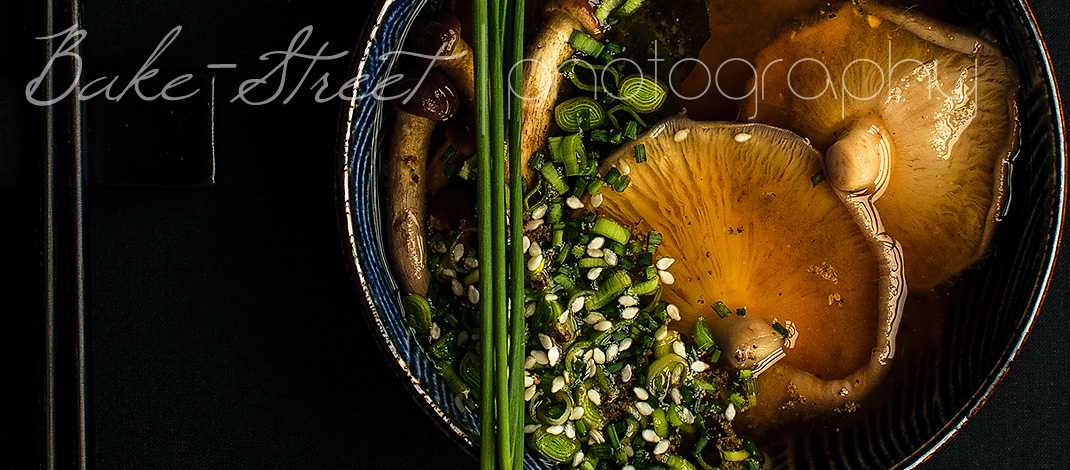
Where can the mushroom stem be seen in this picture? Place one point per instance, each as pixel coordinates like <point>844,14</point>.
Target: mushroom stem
<point>860,160</point>
<point>461,70</point>
<point>407,187</point>
<point>746,340</point>
<point>541,78</point>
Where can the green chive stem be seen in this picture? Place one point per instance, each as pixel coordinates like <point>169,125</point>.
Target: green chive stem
<point>482,104</point>
<point>517,326</point>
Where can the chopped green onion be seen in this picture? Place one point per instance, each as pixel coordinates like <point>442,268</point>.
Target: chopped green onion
<point>643,94</point>
<point>640,153</point>
<point>623,108</point>
<point>631,129</point>
<point>448,154</point>
<point>610,229</point>
<point>818,178</point>
<point>609,290</point>
<point>701,335</point>
<point>568,114</point>
<point>629,7</point>
<point>553,177</point>
<point>583,42</point>
<point>607,7</point>
<point>780,329</point>
<point>418,312</point>
<point>572,154</point>
<point>734,455</point>
<point>622,183</point>
<point>557,447</point>
<point>721,309</point>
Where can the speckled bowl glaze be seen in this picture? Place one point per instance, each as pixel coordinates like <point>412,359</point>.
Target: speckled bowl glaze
<point>991,307</point>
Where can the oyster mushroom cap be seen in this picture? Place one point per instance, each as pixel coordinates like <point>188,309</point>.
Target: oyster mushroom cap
<point>919,114</point>
<point>737,210</point>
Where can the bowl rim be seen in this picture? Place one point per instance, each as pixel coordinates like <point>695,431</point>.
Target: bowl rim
<point>343,191</point>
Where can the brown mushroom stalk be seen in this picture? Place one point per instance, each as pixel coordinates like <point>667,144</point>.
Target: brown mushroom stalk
<point>542,80</point>
<point>440,36</point>
<point>432,101</point>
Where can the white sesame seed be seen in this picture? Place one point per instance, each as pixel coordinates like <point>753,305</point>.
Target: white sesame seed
<point>644,408</point>
<point>475,336</point>
<point>553,354</point>
<point>577,459</point>
<point>473,294</point>
<point>545,341</point>
<point>666,278</point>
<point>576,414</point>
<point>673,311</point>
<point>570,431</point>
<point>610,257</point>
<point>529,310</point>
<point>661,448</point>
<point>594,396</point>
<point>625,168</point>
<point>528,381</point>
<point>529,362</point>
<point>599,356</point>
<point>457,253</point>
<point>595,253</point>
<point>527,244</point>
<point>531,428</point>
<point>533,224</point>
<point>730,412</point>
<point>539,212</point>
<point>665,263</point>
<point>596,200</point>
<point>458,288</point>
<point>679,348</point>
<point>628,301</point>
<point>529,393</point>
<point>680,135</point>
<point>439,247</point>
<point>448,273</point>
<point>462,338</point>
<point>594,317</point>
<point>540,357</point>
<point>435,331</point>
<point>577,304</point>
<point>534,262</point>
<point>611,352</point>
<point>687,416</point>
<point>550,297</point>
<point>626,373</point>
<point>598,437</point>
<point>563,318</point>
<point>535,250</point>
<point>641,393</point>
<point>557,384</point>
<point>597,243</point>
<point>699,366</point>
<point>661,333</point>
<point>677,397</point>
<point>650,436</point>
<point>628,467</point>
<point>741,137</point>
<point>629,313</point>
<point>625,344</point>
<point>603,325</point>
<point>471,263</point>
<point>574,202</point>
<point>555,429</point>
<point>630,452</point>
<point>594,273</point>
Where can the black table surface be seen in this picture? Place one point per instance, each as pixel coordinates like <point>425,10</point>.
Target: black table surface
<point>223,331</point>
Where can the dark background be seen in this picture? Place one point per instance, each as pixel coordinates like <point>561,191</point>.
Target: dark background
<point>223,331</point>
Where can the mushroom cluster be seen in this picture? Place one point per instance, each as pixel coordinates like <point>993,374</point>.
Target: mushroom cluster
<point>916,113</point>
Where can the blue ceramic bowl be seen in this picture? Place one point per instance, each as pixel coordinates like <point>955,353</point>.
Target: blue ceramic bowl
<point>992,306</point>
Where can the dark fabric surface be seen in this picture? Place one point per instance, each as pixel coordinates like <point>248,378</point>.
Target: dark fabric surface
<point>224,332</point>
